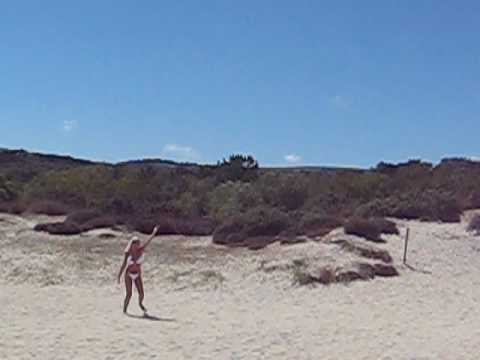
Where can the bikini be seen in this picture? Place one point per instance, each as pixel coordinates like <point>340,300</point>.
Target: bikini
<point>134,260</point>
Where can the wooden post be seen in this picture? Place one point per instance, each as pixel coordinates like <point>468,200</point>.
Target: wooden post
<point>406,246</point>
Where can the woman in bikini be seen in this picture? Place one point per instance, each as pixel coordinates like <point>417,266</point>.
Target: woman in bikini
<point>132,266</point>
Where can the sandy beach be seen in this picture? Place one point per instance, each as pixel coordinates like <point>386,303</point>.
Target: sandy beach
<point>59,299</point>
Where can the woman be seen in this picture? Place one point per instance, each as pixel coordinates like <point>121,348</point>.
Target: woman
<point>132,261</point>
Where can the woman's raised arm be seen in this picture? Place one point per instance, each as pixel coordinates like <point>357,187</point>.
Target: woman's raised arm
<point>154,233</point>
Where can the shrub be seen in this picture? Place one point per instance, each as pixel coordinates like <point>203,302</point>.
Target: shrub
<point>292,195</point>
<point>326,276</point>
<point>200,226</point>
<point>385,270</point>
<point>386,226</point>
<point>146,225</point>
<point>105,221</point>
<point>83,216</point>
<point>48,207</point>
<point>7,192</point>
<point>331,275</point>
<point>367,252</point>
<point>259,242</point>
<point>187,205</point>
<point>474,225</point>
<point>315,225</point>
<point>238,168</point>
<point>448,210</point>
<point>172,226</point>
<point>365,228</point>
<point>59,228</point>
<point>258,222</point>
<point>118,206</point>
<point>18,207</point>
<point>302,277</point>
<point>474,200</point>
<point>228,233</point>
<point>376,207</point>
<point>361,271</point>
<point>5,207</point>
<point>264,221</point>
<point>428,206</point>
<point>232,199</point>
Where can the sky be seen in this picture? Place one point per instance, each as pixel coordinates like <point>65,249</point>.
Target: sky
<point>345,83</point>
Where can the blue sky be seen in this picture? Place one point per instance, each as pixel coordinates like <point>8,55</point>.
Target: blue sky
<point>291,82</point>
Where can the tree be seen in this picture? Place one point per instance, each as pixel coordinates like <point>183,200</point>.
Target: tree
<point>6,193</point>
<point>238,168</point>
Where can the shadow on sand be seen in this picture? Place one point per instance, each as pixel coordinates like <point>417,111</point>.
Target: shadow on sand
<point>418,270</point>
<point>151,318</point>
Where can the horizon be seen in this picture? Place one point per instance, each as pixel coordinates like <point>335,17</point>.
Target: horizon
<point>294,85</point>
<point>261,166</point>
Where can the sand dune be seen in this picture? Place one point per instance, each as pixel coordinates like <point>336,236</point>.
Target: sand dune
<point>59,299</point>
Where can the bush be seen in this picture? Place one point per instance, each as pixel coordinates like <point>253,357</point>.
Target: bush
<point>229,233</point>
<point>105,221</point>
<point>18,207</point>
<point>195,226</point>
<point>302,277</point>
<point>48,207</point>
<point>365,228</point>
<point>259,242</point>
<point>146,225</point>
<point>83,216</point>
<point>361,271</point>
<point>259,222</point>
<point>264,221</point>
<point>173,226</point>
<point>385,270</point>
<point>474,225</point>
<point>232,199</point>
<point>367,252</point>
<point>317,225</point>
<point>448,210</point>
<point>428,206</point>
<point>5,207</point>
<point>474,200</point>
<point>7,192</point>
<point>331,275</point>
<point>59,228</point>
<point>374,208</point>
<point>238,168</point>
<point>386,226</point>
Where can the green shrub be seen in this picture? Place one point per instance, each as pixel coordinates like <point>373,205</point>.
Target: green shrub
<point>474,225</point>
<point>374,208</point>
<point>47,207</point>
<point>6,190</point>
<point>386,226</point>
<point>365,228</point>
<point>428,205</point>
<point>60,228</point>
<point>83,216</point>
<point>258,222</point>
<point>237,168</point>
<point>317,224</point>
<point>232,199</point>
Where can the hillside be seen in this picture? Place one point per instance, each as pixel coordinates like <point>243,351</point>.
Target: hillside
<point>235,197</point>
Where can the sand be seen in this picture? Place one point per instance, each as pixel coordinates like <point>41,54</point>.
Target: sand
<point>59,299</point>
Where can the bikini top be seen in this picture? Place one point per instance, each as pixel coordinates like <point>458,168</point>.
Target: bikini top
<point>135,256</point>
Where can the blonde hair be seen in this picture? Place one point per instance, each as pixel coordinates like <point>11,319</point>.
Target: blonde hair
<point>130,242</point>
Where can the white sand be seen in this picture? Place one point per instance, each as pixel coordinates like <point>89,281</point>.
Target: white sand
<point>59,300</point>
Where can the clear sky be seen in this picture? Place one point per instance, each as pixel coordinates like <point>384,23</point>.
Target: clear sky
<point>290,82</point>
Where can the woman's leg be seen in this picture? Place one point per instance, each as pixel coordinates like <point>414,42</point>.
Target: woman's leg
<point>128,295</point>
<point>141,294</point>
